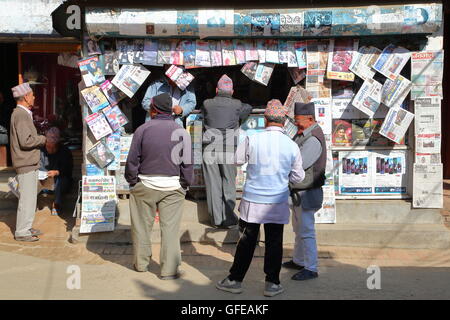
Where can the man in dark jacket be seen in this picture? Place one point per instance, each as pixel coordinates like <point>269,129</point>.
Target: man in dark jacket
<point>307,196</point>
<point>221,122</point>
<point>159,168</point>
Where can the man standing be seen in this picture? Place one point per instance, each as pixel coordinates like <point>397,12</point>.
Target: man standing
<point>57,160</point>
<point>159,169</point>
<point>25,154</point>
<point>273,160</point>
<point>307,196</point>
<point>221,117</point>
<point>183,101</point>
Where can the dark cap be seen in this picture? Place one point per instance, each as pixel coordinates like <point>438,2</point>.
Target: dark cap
<point>304,109</point>
<point>163,102</point>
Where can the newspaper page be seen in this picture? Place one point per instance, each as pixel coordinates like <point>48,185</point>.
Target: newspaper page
<point>396,124</point>
<point>296,94</point>
<point>264,72</point>
<point>426,74</point>
<point>363,60</point>
<point>113,144</point>
<point>215,50</point>
<point>98,204</point>
<point>391,61</point>
<point>395,91</point>
<point>121,183</point>
<point>327,214</point>
<point>323,114</point>
<point>427,186</point>
<point>354,173</point>
<point>202,55</point>
<point>125,144</point>
<point>341,52</point>
<point>368,98</point>
<point>427,113</point>
<point>292,57</point>
<point>428,158</point>
<point>239,50</point>
<point>317,58</point>
<point>130,78</point>
<point>428,143</point>
<point>390,172</point>
<point>342,93</point>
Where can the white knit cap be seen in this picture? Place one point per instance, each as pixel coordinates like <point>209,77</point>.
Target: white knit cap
<point>21,90</point>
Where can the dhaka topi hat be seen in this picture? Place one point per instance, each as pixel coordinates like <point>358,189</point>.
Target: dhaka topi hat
<point>225,84</point>
<point>275,109</point>
<point>53,135</point>
<point>304,109</point>
<point>163,103</point>
<point>21,90</point>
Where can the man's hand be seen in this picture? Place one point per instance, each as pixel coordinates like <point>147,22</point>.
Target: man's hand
<point>53,173</point>
<point>177,110</point>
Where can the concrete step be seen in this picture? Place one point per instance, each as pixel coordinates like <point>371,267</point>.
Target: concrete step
<point>408,236</point>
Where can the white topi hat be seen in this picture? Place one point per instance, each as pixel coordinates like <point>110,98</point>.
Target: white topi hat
<point>21,90</point>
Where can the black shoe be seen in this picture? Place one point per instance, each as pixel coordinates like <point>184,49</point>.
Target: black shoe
<point>292,265</point>
<point>305,274</point>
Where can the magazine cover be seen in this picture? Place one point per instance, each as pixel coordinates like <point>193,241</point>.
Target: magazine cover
<point>292,58</point>
<point>261,49</point>
<point>125,144</point>
<point>300,53</point>
<point>249,69</point>
<point>391,61</point>
<point>93,170</point>
<point>376,139</point>
<point>188,48</point>
<point>164,51</point>
<point>101,154</point>
<point>98,125</point>
<point>151,52</point>
<point>283,53</point>
<point>216,53</point>
<point>113,94</point>
<point>176,52</point>
<point>239,50</point>
<point>202,55</point>
<point>341,52</point>
<point>297,74</point>
<point>228,57</point>
<point>125,51</point>
<point>94,98</point>
<point>91,71</point>
<point>342,133</point>
<point>113,144</point>
<point>138,56</point>
<point>264,72</point>
<point>115,117</point>
<point>272,55</point>
<point>130,78</point>
<point>251,54</point>
<point>181,78</point>
<point>110,63</point>
<point>92,47</point>
<point>361,131</point>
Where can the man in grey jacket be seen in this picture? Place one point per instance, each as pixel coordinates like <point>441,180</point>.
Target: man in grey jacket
<point>307,196</point>
<point>221,122</point>
<point>25,154</point>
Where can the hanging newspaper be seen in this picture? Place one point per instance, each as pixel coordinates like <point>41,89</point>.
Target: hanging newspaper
<point>341,52</point>
<point>427,186</point>
<point>317,57</point>
<point>98,125</point>
<point>261,49</point>
<point>138,51</point>
<point>110,63</point>
<point>427,112</point>
<point>428,158</point>
<point>94,98</point>
<point>296,94</point>
<point>283,53</point>
<point>396,124</point>
<point>98,204</point>
<point>264,72</point>
<point>428,143</point>
<point>368,98</point>
<point>391,61</point>
<point>272,54</point>
<point>181,78</point>
<point>188,53</point>
<point>426,74</point>
<point>300,53</point>
<point>251,54</point>
<point>239,51</point>
<point>323,114</point>
<point>202,55</point>
<point>164,51</point>
<point>327,214</point>
<point>363,60</point>
<point>125,144</point>
<point>354,174</point>
<point>228,58</point>
<point>395,91</point>
<point>390,172</point>
<point>176,52</point>
<point>215,49</point>
<point>130,78</point>
<point>249,69</point>
<point>292,58</point>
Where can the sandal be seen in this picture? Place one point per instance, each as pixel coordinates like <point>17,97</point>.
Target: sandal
<point>35,232</point>
<point>27,238</point>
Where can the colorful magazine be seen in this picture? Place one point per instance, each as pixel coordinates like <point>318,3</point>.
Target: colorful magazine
<point>91,45</point>
<point>239,51</point>
<point>91,70</point>
<point>261,49</point>
<point>125,51</point>
<point>113,144</point>
<point>272,55</point>
<point>342,133</point>
<point>176,55</point>
<point>151,52</point>
<point>113,94</point>
<point>115,117</point>
<point>101,154</point>
<point>138,56</point>
<point>251,54</point>
<point>300,53</point>
<point>292,58</point>
<point>216,53</point>
<point>249,69</point>
<point>283,53</point>
<point>264,72</point>
<point>110,63</point>
<point>228,57</point>
<point>202,55</point>
<point>181,78</point>
<point>361,131</point>
<point>98,125</point>
<point>94,98</point>
<point>188,47</point>
<point>164,51</point>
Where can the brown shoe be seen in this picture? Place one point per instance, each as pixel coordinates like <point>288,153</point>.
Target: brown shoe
<point>27,238</point>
